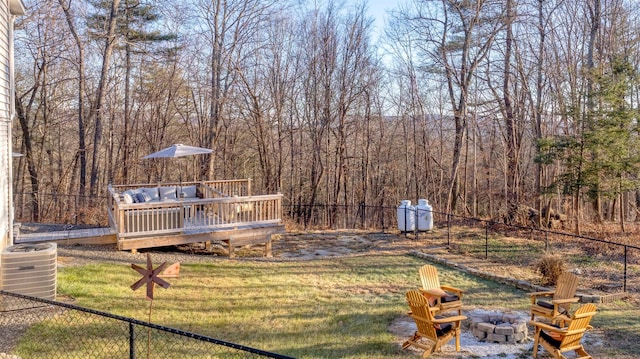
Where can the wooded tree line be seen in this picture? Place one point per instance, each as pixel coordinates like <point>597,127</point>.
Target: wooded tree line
<point>484,107</point>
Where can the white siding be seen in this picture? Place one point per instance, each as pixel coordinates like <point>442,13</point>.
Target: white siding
<point>4,182</point>
<point>5,63</point>
<point>5,125</point>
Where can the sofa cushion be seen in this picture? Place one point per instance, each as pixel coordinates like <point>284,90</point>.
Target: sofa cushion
<point>167,193</point>
<point>152,193</point>
<point>189,192</point>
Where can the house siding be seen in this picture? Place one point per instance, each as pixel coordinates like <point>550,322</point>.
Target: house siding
<point>8,9</point>
<point>5,127</point>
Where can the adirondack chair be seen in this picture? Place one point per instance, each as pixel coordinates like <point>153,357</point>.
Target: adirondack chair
<point>441,297</point>
<point>558,340</point>
<point>432,332</point>
<point>556,307</point>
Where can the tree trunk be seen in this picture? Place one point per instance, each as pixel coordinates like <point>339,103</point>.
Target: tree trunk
<point>97,110</point>
<point>82,149</point>
<point>512,141</point>
<point>538,109</point>
<point>26,139</point>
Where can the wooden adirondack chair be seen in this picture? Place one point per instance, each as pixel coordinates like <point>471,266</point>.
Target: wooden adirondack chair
<point>432,332</point>
<point>557,340</point>
<point>441,297</point>
<point>557,308</point>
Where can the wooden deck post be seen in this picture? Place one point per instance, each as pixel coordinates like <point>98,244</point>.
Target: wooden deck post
<point>230,242</point>
<point>267,247</point>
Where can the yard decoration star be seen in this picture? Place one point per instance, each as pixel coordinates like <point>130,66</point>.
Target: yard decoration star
<point>149,277</point>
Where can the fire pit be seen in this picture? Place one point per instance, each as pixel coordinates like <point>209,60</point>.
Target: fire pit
<point>498,327</point>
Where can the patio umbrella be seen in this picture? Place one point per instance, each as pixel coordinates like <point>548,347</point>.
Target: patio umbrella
<point>178,150</point>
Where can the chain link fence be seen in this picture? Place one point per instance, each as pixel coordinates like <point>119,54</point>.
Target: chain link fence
<point>38,328</point>
<point>608,266</point>
<point>604,266</point>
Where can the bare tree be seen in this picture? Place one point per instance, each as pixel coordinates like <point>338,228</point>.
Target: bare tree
<point>96,113</point>
<point>456,37</point>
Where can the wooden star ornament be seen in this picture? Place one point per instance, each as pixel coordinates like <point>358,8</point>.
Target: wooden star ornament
<point>149,277</point>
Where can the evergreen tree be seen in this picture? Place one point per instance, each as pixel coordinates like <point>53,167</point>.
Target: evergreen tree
<point>133,23</point>
<point>602,160</point>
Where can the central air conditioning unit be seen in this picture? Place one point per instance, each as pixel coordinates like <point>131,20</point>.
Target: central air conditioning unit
<point>30,269</point>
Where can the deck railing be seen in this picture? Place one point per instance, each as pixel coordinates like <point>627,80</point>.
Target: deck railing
<point>214,208</point>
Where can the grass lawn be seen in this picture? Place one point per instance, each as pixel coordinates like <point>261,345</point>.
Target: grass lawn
<point>330,308</point>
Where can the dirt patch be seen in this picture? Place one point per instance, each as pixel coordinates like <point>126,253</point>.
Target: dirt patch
<point>319,244</point>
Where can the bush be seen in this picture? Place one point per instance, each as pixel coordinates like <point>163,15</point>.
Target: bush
<point>550,266</point>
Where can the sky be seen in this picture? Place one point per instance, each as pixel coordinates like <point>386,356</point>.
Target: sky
<point>378,9</point>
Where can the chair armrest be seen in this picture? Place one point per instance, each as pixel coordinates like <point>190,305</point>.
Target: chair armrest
<point>548,327</point>
<point>430,291</point>
<point>452,289</point>
<point>541,294</point>
<point>565,301</point>
<point>534,296</point>
<point>455,318</point>
<point>576,331</point>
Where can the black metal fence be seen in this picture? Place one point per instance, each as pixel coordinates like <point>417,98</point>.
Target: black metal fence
<point>611,266</point>
<point>39,328</point>
<point>60,208</point>
<point>606,266</point>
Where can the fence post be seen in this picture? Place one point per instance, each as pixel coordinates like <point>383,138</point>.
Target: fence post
<point>624,283</point>
<point>486,240</point>
<point>546,240</point>
<point>132,341</point>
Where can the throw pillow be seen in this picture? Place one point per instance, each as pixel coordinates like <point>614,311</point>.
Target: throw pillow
<point>126,197</point>
<point>139,197</point>
<point>145,197</point>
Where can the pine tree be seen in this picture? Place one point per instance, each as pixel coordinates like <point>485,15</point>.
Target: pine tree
<point>602,160</point>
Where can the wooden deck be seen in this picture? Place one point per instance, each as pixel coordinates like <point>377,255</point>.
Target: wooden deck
<point>102,235</point>
<point>206,211</point>
<point>221,211</point>
<point>232,237</point>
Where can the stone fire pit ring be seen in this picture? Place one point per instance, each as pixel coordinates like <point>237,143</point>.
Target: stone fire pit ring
<point>498,327</point>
